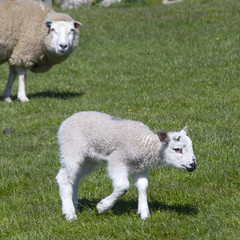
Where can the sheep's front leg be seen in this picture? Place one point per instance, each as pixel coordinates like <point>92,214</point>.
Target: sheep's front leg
<point>11,77</point>
<point>141,183</point>
<point>119,177</point>
<point>21,85</point>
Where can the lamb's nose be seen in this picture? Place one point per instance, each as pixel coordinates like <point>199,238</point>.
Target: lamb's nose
<point>63,46</point>
<point>194,164</point>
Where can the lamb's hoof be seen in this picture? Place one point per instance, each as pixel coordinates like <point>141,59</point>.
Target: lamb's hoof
<point>100,207</point>
<point>8,99</point>
<point>70,217</point>
<point>144,216</point>
<point>23,99</point>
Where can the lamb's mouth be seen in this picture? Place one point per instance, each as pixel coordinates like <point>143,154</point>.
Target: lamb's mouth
<point>190,169</point>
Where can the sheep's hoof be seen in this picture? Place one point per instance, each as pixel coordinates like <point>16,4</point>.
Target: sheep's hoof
<point>70,217</point>
<point>8,99</point>
<point>23,99</point>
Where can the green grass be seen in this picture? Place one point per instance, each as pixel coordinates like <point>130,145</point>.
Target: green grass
<point>171,65</point>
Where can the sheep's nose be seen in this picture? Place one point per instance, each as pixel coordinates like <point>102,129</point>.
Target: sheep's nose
<point>63,46</point>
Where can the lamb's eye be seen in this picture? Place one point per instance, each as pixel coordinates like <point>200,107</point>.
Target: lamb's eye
<point>178,150</point>
<point>72,31</point>
<point>52,30</point>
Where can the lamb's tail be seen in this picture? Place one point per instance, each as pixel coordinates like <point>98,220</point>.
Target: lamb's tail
<point>170,2</point>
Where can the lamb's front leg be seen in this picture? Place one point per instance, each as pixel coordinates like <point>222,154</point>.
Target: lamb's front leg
<point>141,183</point>
<point>21,85</point>
<point>121,184</point>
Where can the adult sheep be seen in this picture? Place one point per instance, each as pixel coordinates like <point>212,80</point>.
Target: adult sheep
<point>33,36</point>
<point>130,148</point>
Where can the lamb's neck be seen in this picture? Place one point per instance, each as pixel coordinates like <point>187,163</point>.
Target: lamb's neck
<point>151,150</point>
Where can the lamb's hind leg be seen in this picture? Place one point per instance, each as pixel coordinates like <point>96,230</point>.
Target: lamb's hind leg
<point>11,77</point>
<point>68,179</point>
<point>119,175</point>
<point>86,168</point>
<point>65,180</point>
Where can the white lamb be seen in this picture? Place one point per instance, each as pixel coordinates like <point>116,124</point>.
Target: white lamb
<point>130,148</point>
<point>34,37</point>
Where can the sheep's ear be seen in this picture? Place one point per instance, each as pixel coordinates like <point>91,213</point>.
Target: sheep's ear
<point>185,130</point>
<point>77,24</point>
<point>163,136</point>
<point>48,24</point>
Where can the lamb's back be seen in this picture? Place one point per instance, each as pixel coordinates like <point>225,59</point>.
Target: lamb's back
<point>100,129</point>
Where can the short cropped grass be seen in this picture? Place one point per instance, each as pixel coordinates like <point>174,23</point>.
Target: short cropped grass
<point>166,66</point>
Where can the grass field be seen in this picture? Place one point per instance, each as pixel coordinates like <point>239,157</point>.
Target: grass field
<point>166,66</point>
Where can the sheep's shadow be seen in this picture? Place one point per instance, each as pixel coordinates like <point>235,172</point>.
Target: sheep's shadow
<point>55,94</point>
<point>52,94</point>
<point>123,206</point>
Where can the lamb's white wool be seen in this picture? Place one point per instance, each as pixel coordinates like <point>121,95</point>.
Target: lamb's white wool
<point>165,2</point>
<point>130,148</point>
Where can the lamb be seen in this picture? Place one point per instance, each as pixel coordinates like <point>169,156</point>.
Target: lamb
<point>34,37</point>
<point>129,147</point>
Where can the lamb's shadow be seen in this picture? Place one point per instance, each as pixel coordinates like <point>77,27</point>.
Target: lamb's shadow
<point>55,94</point>
<point>123,206</point>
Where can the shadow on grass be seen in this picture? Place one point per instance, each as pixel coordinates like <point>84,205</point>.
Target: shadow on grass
<point>52,94</point>
<point>123,206</point>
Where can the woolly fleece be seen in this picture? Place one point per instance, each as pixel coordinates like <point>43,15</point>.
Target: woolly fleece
<point>129,147</point>
<point>24,39</point>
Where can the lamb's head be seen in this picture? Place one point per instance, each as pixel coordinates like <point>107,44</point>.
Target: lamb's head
<point>177,150</point>
<point>61,35</point>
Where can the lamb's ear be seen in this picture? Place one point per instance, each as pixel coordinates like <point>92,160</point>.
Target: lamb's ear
<point>77,24</point>
<point>48,24</point>
<point>185,130</point>
<point>163,136</point>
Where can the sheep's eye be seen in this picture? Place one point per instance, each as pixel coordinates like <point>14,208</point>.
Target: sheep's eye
<point>52,30</point>
<point>72,31</point>
<point>178,150</point>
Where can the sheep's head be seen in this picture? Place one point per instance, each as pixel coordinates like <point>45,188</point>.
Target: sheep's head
<point>61,35</point>
<point>177,150</point>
